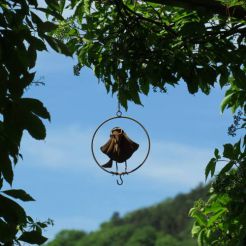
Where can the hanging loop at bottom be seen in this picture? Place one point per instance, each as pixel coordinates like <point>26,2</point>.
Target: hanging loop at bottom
<point>121,181</point>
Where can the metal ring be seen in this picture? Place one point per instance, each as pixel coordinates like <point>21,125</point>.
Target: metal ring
<point>120,117</point>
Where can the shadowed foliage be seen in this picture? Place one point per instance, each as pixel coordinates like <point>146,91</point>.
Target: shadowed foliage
<point>22,34</point>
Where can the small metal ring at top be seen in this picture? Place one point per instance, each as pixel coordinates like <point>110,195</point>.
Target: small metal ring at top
<point>118,113</point>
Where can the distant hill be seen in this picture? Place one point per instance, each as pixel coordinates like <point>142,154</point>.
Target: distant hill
<point>164,224</point>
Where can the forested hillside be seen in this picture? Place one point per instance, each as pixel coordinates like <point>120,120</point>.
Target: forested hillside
<point>164,224</point>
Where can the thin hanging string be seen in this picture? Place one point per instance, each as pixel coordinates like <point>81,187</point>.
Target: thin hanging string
<point>119,113</point>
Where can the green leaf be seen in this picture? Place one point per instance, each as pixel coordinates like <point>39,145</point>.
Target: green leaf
<point>87,4</point>
<point>58,46</point>
<point>11,211</point>
<point>200,238</point>
<point>240,77</point>
<point>236,149</point>
<point>36,43</point>
<point>33,237</point>
<point>192,211</point>
<point>227,168</point>
<point>215,217</point>
<point>228,151</point>
<point>145,87</point>
<point>210,168</point>
<point>32,54</point>
<point>35,126</point>
<point>7,231</point>
<point>195,230</point>
<point>225,102</point>
<point>6,168</point>
<point>35,106</point>
<point>19,194</point>
<point>51,12</point>
<point>208,75</point>
<point>53,4</point>
<point>47,27</point>
<point>200,218</point>
<point>224,77</point>
<point>36,19</point>
<point>216,154</point>
<point>192,86</point>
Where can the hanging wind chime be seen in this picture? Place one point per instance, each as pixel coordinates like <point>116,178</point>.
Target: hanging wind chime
<point>119,147</point>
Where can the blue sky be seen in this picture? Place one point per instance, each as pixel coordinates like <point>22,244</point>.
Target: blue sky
<point>60,172</point>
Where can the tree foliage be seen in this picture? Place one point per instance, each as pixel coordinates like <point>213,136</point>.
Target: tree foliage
<point>23,33</point>
<point>135,45</point>
<point>222,219</point>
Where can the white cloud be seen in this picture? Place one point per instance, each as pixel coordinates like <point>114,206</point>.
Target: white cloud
<point>69,148</point>
<point>63,148</point>
<point>177,163</point>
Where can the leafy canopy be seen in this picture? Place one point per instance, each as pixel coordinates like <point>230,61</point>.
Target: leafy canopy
<point>135,45</point>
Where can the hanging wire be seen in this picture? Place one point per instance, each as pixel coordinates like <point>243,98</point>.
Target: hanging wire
<point>119,113</point>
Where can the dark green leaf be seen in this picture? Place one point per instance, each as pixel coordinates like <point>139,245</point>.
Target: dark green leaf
<point>200,217</point>
<point>7,231</point>
<point>19,194</point>
<point>227,168</point>
<point>224,77</point>
<point>32,54</point>
<point>36,43</point>
<point>33,237</point>
<point>240,77</point>
<point>47,27</point>
<point>35,126</point>
<point>6,168</point>
<point>53,4</point>
<point>216,154</point>
<point>210,168</point>
<point>36,19</point>
<point>11,211</point>
<point>215,216</point>
<point>225,102</point>
<point>51,12</point>
<point>58,46</point>
<point>145,87</point>
<point>35,106</point>
<point>33,2</point>
<point>192,86</point>
<point>228,151</point>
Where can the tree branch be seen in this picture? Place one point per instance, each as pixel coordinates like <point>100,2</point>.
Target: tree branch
<point>211,6</point>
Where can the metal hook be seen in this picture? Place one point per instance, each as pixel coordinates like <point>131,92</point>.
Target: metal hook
<point>121,181</point>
